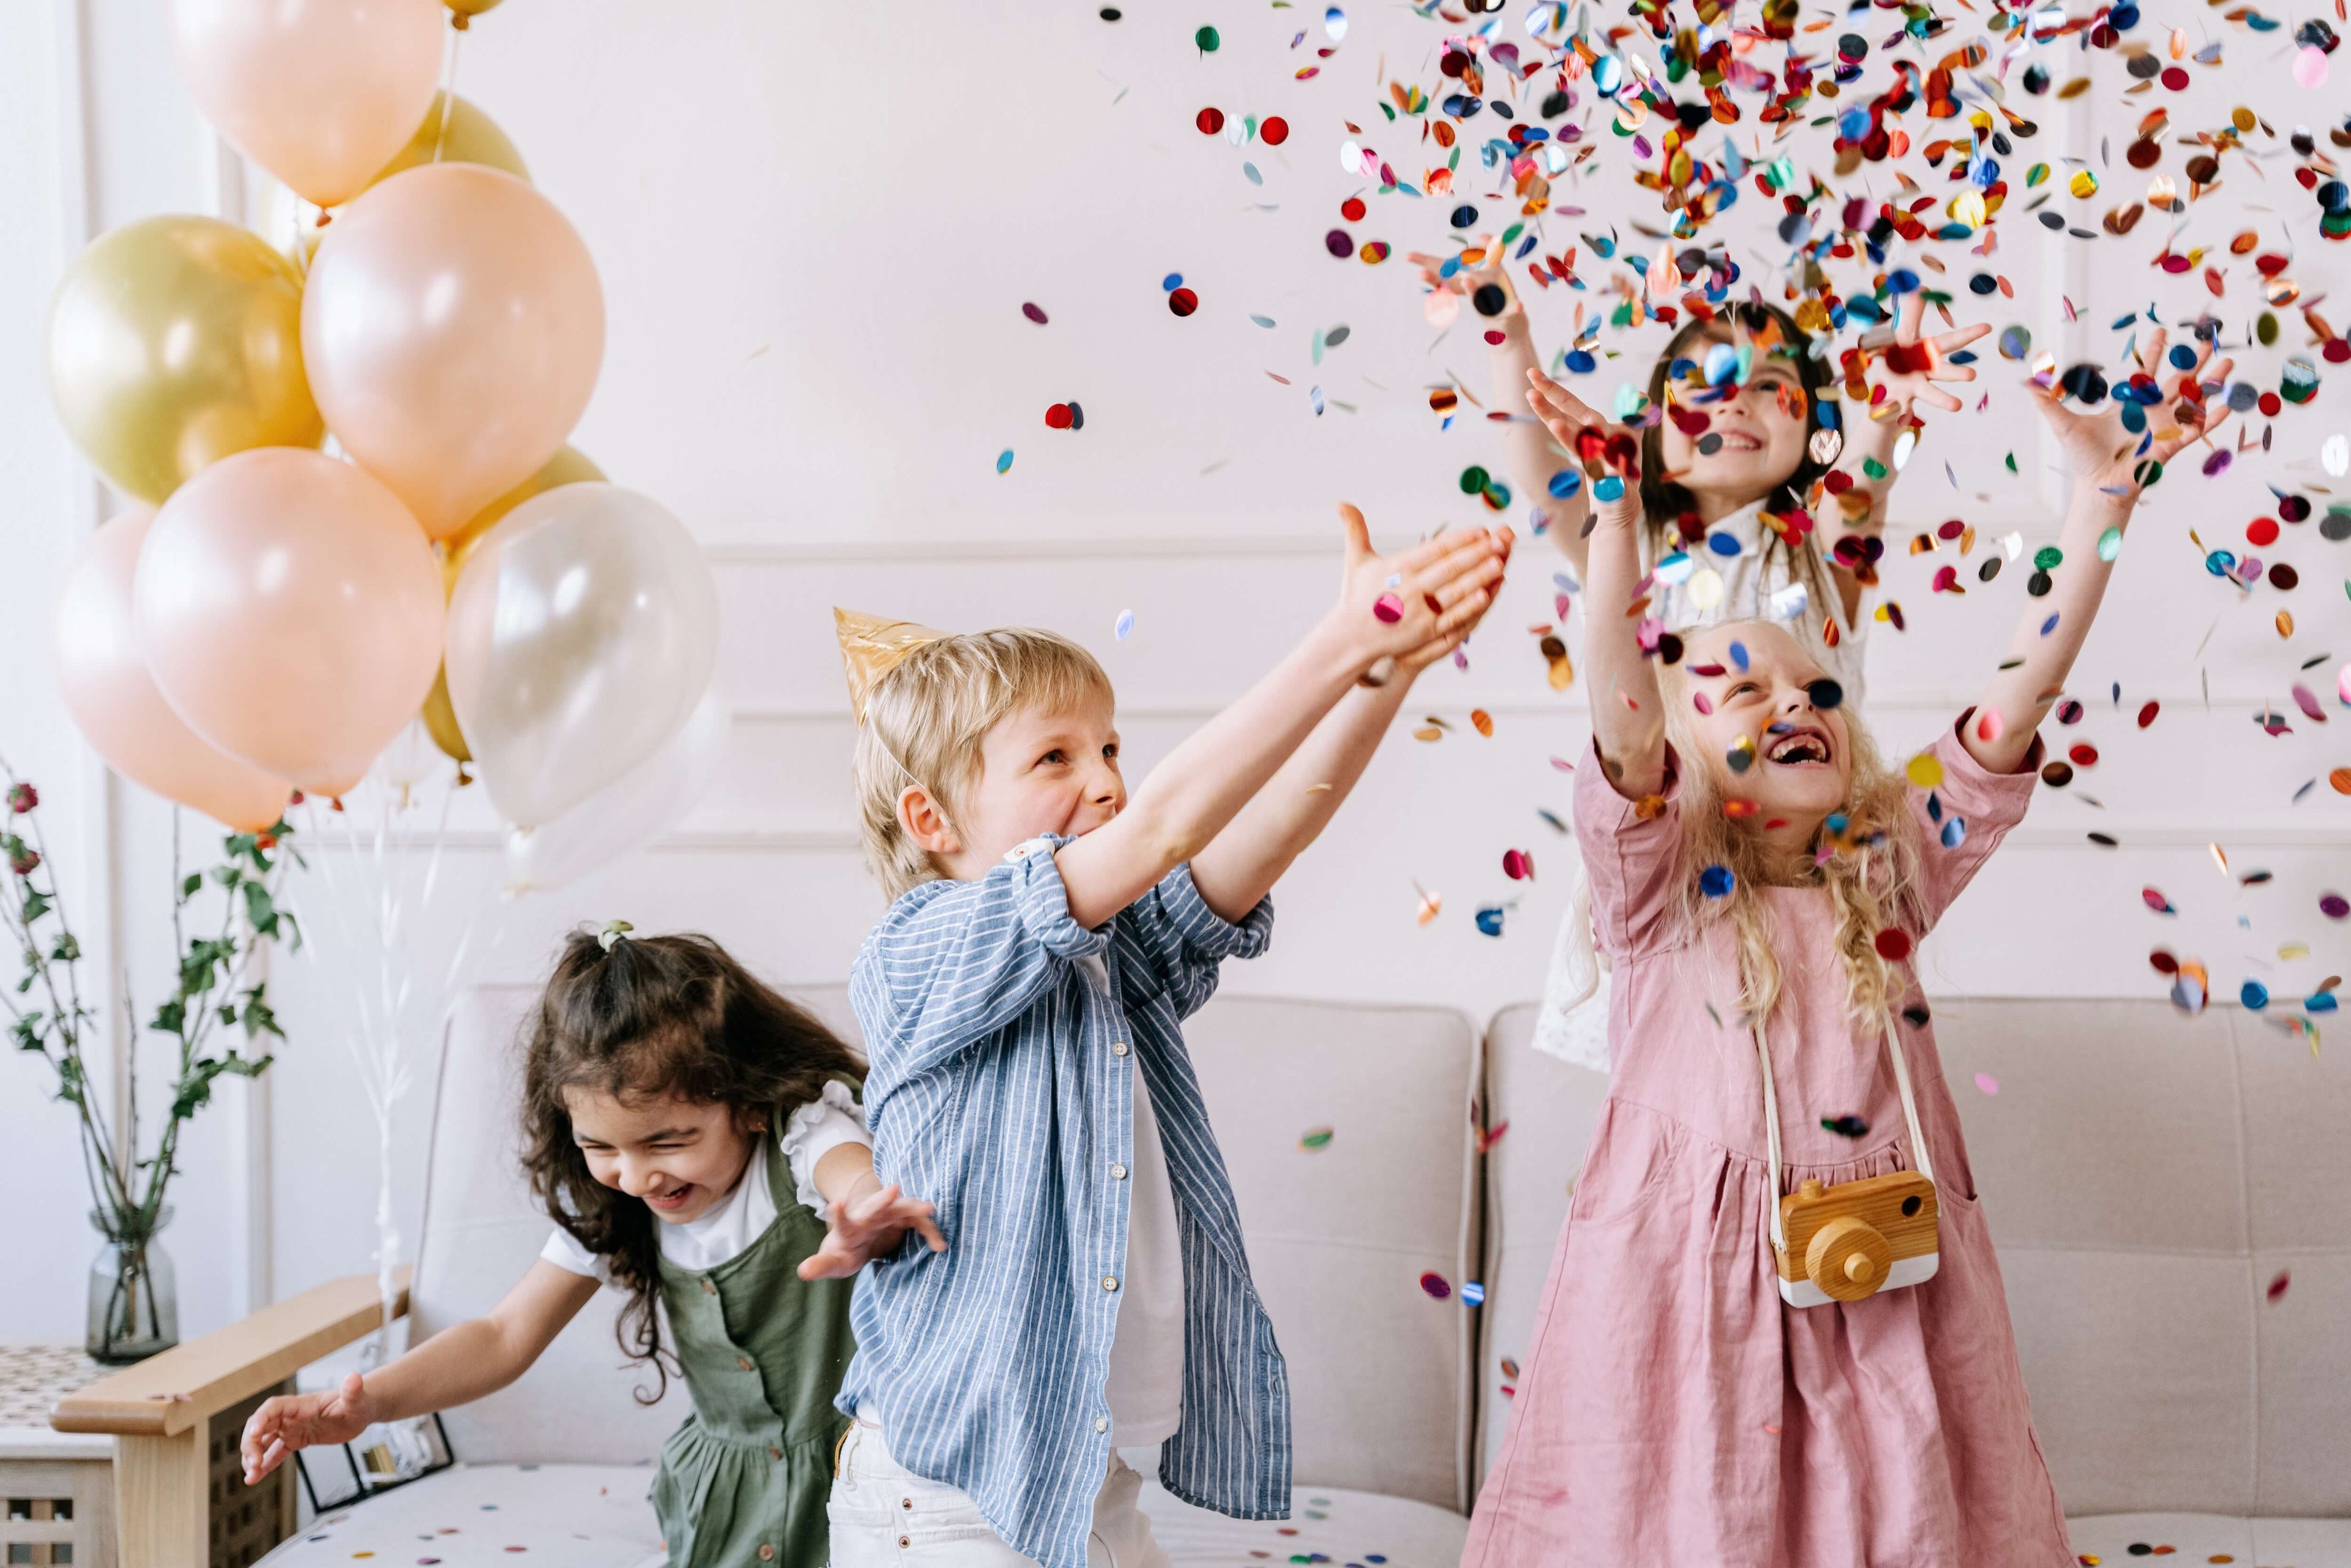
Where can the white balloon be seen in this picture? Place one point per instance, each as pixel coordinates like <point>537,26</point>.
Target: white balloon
<point>642,804</point>
<point>583,629</point>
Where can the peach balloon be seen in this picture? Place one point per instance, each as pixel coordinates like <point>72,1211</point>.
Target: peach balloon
<point>292,613</point>
<point>452,327</point>
<point>322,93</point>
<point>94,644</point>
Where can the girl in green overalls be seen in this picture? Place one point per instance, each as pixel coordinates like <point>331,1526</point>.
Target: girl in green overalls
<point>698,1140</point>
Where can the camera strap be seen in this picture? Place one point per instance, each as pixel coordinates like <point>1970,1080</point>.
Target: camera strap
<point>1771,1115</point>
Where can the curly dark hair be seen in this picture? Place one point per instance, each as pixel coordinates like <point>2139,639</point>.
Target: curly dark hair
<point>654,1017</point>
<point>1663,502</point>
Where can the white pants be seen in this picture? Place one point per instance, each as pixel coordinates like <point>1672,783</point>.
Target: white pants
<point>885,1516</point>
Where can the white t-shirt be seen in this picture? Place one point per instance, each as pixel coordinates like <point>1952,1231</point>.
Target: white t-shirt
<point>1145,1384</point>
<point>729,1227</point>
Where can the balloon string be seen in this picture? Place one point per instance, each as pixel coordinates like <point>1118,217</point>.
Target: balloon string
<point>448,91</point>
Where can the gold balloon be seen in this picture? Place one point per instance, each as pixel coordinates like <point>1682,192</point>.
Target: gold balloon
<point>567,466</point>
<point>173,342</point>
<point>472,137</point>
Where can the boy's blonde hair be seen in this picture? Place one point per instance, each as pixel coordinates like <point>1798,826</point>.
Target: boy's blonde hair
<point>1871,884</point>
<point>925,720</point>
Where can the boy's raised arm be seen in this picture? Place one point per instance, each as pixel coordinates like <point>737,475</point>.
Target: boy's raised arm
<point>1244,862</point>
<point>1388,607</point>
<point>2106,461</point>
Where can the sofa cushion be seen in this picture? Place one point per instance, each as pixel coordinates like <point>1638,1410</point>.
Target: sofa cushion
<point>1341,1232</point>
<point>472,1516</point>
<point>1547,1109</point>
<point>1326,1525</point>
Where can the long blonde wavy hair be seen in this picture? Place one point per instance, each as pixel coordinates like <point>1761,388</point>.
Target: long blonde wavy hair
<point>1872,878</point>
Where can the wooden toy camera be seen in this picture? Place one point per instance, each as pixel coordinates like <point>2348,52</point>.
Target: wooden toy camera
<point>1848,1242</point>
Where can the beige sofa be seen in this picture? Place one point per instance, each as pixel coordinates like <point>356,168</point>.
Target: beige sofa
<point>2148,1176</point>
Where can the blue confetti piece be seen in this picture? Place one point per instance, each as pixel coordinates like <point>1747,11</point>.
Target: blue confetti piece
<point>1262,320</point>
<point>1489,921</point>
<point>1610,488</point>
<point>1004,460</point>
<point>2254,995</point>
<point>1726,544</point>
<point>1254,177</point>
<point>1126,624</point>
<point>1314,396</point>
<point>1955,832</point>
<point>2319,1002</point>
<point>1715,882</point>
<point>1564,484</point>
<point>1172,282</point>
<point>1472,1293</point>
<point>2049,625</point>
<point>1738,655</point>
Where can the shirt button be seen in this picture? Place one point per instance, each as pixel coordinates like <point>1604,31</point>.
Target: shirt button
<point>1110,1281</point>
<point>1118,1173</point>
<point>767,1552</point>
<point>744,1362</point>
<point>907,1503</point>
<point>1118,1048</point>
<point>774,1452</point>
<point>904,1543</point>
<point>1102,1423</point>
<point>708,1289</point>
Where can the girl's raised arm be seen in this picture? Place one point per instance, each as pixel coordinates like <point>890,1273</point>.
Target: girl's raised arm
<point>2108,461</point>
<point>1906,364</point>
<point>1628,714</point>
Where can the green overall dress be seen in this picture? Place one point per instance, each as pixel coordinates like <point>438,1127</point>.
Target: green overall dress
<point>742,1482</point>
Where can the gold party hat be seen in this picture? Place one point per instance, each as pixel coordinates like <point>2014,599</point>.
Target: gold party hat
<point>871,647</point>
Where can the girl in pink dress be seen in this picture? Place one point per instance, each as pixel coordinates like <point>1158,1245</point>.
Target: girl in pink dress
<point>1759,877</point>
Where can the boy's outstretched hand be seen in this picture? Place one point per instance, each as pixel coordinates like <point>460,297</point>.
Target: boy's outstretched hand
<point>867,1226</point>
<point>304,1420</point>
<point>1417,605</point>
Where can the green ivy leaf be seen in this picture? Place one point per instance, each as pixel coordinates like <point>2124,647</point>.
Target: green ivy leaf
<point>188,888</point>
<point>36,904</point>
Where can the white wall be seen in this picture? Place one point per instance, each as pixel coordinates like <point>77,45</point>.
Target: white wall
<point>815,234</point>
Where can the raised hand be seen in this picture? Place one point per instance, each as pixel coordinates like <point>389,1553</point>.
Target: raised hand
<point>1599,444</point>
<point>867,1226</point>
<point>2102,450</point>
<point>1398,606</point>
<point>304,1420</point>
<point>1443,304</point>
<point>1907,365</point>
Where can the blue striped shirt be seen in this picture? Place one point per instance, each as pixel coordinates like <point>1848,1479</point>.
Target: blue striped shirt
<point>1002,1089</point>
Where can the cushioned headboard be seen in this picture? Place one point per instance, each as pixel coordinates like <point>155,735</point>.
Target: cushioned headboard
<point>1550,1108</point>
<point>2147,1177</point>
<point>481,1230</point>
<point>1340,1235</point>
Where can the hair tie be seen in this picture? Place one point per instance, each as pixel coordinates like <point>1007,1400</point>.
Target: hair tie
<point>614,931</point>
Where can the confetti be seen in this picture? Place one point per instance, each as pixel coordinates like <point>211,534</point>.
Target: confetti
<point>1986,1083</point>
<point>1314,1140</point>
<point>1125,626</point>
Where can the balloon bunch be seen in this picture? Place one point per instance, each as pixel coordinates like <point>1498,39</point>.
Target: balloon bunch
<point>273,617</point>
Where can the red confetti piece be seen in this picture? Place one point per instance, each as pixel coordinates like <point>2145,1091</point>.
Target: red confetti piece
<point>2153,898</point>
<point>1274,132</point>
<point>1058,416</point>
<point>2278,1286</point>
<point>1210,120</point>
<point>1893,943</point>
<point>1182,301</point>
<point>1035,313</point>
<point>1436,1285</point>
<point>2146,715</point>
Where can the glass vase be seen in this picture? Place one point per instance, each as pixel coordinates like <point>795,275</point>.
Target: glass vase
<point>134,1303</point>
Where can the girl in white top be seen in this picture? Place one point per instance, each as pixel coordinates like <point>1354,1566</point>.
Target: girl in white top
<point>1744,463</point>
<point>662,1081</point>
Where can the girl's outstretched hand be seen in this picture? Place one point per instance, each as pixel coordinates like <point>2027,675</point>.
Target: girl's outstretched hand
<point>2104,453</point>
<point>1446,294</point>
<point>867,1226</point>
<point>304,1420</point>
<point>1907,365</point>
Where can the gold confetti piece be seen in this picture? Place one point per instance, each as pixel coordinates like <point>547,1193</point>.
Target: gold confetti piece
<point>2290,951</point>
<point>2285,623</point>
<point>1317,789</point>
<point>1429,732</point>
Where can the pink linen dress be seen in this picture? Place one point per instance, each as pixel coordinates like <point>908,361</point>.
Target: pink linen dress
<point>1672,1410</point>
